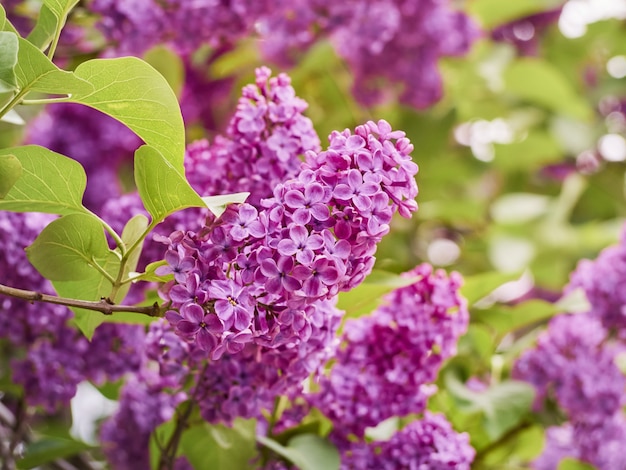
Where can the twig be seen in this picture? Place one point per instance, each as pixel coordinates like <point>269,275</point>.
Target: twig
<point>105,306</point>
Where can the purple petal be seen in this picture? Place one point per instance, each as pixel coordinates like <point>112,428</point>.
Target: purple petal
<point>320,212</point>
<point>187,328</point>
<point>287,248</point>
<point>291,284</point>
<point>242,318</point>
<point>269,268</point>
<point>205,340</point>
<point>294,199</point>
<point>192,312</point>
<point>301,216</point>
<point>173,317</point>
<point>314,193</point>
<point>343,191</point>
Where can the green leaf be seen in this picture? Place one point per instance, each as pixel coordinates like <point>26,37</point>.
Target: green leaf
<point>169,64</point>
<point>48,449</point>
<point>504,319</point>
<point>542,83</point>
<point>495,12</point>
<point>8,60</point>
<point>218,204</point>
<point>503,405</point>
<point>35,72</point>
<point>69,248</point>
<point>366,297</point>
<point>42,34</point>
<point>480,285</point>
<point>569,463</point>
<point>306,451</point>
<point>66,252</point>
<point>133,92</point>
<point>319,453</point>
<point>5,24</point>
<point>50,182</point>
<point>162,188</point>
<point>217,446</point>
<point>10,172</point>
<point>93,286</point>
<point>133,231</point>
<point>150,273</point>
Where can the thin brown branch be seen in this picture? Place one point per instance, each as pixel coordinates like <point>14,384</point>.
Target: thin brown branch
<point>105,306</point>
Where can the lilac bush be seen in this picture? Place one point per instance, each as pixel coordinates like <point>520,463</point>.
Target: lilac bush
<point>390,42</point>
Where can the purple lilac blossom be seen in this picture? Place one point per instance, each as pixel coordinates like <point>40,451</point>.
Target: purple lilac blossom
<point>304,258</point>
<point>264,139</point>
<point>144,404</point>
<point>243,382</point>
<point>429,443</point>
<point>389,360</point>
<point>574,364</point>
<point>132,27</point>
<point>602,280</point>
<point>98,142</point>
<point>386,43</point>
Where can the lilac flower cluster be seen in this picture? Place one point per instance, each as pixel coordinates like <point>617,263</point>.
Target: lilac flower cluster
<point>429,443</point>
<point>385,42</point>
<point>574,364</point>
<point>389,360</point>
<point>144,404</point>
<point>245,383</point>
<point>249,275</point>
<point>600,444</point>
<point>149,398</point>
<point>98,142</point>
<point>264,139</point>
<point>133,28</point>
<point>266,135</point>
<point>399,42</point>
<point>602,281</point>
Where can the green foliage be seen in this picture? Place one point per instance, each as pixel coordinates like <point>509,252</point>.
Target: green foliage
<point>8,60</point>
<point>10,172</point>
<point>48,449</point>
<point>306,451</point>
<point>50,21</point>
<point>503,405</point>
<point>133,234</point>
<point>480,285</point>
<point>69,248</point>
<point>573,464</point>
<point>366,297</point>
<point>133,92</point>
<point>493,12</point>
<point>35,72</point>
<point>541,83</point>
<point>218,446</point>
<point>504,319</point>
<point>161,186</point>
<point>50,182</point>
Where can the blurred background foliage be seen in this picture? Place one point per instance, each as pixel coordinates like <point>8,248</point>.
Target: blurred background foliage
<point>522,174</point>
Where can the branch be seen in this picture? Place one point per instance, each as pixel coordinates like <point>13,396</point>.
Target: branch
<point>104,306</point>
